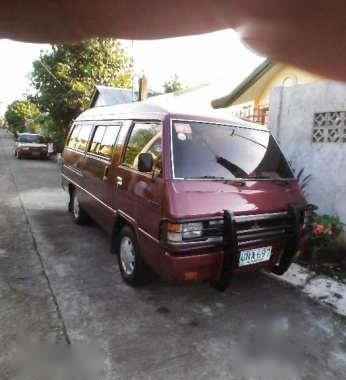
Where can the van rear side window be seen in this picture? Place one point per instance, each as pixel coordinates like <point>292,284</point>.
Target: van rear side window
<point>74,137</point>
<point>97,139</point>
<point>104,139</point>
<point>79,137</point>
<point>83,137</point>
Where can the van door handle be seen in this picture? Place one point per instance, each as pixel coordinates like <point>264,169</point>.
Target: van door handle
<point>153,202</point>
<point>119,181</point>
<point>105,173</point>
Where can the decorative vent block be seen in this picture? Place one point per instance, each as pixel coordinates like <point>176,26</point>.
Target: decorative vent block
<point>329,127</point>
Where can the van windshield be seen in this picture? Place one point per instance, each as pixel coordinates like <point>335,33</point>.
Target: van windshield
<point>212,151</point>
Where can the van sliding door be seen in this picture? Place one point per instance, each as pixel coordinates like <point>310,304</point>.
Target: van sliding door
<point>98,173</point>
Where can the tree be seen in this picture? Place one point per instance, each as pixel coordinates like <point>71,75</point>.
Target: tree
<point>20,115</point>
<point>173,84</point>
<point>48,128</point>
<point>64,78</point>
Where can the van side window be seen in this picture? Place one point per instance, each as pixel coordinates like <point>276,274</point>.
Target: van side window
<point>96,141</point>
<point>73,137</point>
<point>108,141</point>
<point>104,140</point>
<point>83,137</point>
<point>145,138</point>
<point>121,140</point>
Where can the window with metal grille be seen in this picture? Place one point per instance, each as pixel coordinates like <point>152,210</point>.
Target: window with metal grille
<point>329,127</point>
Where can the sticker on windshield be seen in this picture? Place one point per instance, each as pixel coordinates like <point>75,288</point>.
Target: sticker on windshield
<point>183,128</point>
<point>181,136</point>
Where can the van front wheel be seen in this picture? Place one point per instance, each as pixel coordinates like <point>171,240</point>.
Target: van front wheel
<point>132,267</point>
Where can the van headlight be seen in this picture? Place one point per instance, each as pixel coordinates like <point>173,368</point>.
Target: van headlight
<point>192,231</point>
<point>178,232</point>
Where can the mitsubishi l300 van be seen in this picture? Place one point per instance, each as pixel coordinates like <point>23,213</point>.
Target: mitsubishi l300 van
<point>189,197</point>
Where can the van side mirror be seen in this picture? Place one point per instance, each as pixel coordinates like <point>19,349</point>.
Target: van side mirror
<point>145,162</point>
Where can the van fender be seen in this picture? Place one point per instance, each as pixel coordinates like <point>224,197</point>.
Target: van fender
<point>122,219</point>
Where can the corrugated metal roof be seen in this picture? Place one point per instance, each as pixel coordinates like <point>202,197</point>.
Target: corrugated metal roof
<point>108,96</point>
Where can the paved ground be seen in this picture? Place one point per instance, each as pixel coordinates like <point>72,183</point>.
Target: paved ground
<point>63,276</point>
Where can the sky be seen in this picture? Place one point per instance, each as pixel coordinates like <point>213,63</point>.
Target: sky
<point>217,58</point>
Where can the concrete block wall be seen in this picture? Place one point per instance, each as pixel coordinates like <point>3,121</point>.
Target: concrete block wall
<point>291,119</point>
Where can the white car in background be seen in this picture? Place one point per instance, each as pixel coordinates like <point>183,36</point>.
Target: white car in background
<point>31,145</point>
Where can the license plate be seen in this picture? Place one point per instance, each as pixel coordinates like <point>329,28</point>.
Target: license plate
<point>254,256</point>
<point>35,153</point>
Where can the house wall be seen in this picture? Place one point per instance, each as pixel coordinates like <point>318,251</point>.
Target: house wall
<point>280,75</point>
<point>291,120</point>
<point>287,76</point>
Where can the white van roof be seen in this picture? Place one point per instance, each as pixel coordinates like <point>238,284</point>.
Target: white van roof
<point>150,111</point>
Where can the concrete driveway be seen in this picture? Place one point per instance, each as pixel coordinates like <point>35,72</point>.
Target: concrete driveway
<point>61,279</point>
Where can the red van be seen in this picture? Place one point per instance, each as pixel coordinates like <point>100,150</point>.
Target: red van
<point>189,197</point>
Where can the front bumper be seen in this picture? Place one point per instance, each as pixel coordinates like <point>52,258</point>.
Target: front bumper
<point>209,264</point>
<point>32,154</point>
<point>282,231</point>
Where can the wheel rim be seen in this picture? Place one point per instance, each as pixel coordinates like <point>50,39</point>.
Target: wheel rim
<point>76,206</point>
<point>127,255</point>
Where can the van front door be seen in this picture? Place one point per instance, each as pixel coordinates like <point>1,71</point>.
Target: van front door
<point>139,195</point>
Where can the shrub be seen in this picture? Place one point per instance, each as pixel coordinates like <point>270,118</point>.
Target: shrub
<point>325,229</point>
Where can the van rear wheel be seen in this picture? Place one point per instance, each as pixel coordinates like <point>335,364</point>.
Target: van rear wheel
<point>133,269</point>
<point>79,215</point>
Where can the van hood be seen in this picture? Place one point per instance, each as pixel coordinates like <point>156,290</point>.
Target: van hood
<point>193,198</point>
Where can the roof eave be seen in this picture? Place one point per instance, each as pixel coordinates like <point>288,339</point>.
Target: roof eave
<point>229,99</point>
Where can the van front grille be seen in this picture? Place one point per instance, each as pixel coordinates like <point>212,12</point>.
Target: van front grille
<point>258,228</point>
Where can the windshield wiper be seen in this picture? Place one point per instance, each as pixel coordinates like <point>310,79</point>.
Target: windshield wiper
<point>258,177</point>
<point>208,177</point>
<point>233,168</point>
<point>236,181</point>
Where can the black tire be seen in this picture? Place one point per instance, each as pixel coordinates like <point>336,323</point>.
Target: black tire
<point>78,213</point>
<point>134,272</point>
<point>19,157</point>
